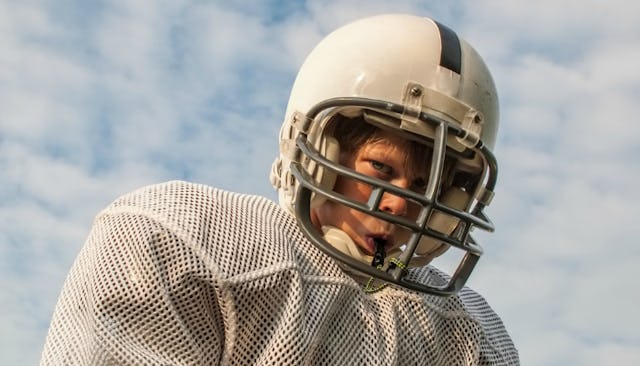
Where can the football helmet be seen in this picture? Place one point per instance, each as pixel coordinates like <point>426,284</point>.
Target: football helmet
<point>418,78</point>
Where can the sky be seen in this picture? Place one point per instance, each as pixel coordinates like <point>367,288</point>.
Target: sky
<point>99,98</point>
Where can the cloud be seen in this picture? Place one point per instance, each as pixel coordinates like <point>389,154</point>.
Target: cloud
<point>566,200</point>
<point>98,99</point>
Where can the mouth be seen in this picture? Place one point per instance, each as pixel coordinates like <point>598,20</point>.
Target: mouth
<point>377,243</point>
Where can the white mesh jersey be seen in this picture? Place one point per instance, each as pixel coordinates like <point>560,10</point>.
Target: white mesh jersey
<point>185,274</point>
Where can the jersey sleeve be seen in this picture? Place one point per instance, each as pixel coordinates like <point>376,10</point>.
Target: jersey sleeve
<point>136,294</point>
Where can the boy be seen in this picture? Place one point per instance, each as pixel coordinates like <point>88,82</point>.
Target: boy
<point>385,163</point>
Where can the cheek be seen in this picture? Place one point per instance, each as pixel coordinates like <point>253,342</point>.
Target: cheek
<point>354,190</point>
<point>335,214</point>
<point>330,214</point>
<point>413,209</point>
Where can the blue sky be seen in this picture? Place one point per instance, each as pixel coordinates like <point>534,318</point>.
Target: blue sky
<point>99,98</point>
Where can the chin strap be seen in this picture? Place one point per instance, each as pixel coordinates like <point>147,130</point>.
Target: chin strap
<point>341,241</point>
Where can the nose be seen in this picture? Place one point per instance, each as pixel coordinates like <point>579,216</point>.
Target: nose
<point>393,204</point>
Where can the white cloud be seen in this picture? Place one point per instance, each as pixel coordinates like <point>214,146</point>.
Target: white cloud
<point>95,101</point>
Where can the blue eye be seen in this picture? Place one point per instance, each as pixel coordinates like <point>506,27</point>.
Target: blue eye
<point>381,167</point>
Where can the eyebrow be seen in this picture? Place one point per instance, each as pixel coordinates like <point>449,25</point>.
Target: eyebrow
<point>412,165</point>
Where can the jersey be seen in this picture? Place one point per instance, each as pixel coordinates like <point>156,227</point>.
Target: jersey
<point>185,274</point>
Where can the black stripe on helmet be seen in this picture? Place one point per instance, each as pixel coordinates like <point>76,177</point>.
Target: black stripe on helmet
<point>451,55</point>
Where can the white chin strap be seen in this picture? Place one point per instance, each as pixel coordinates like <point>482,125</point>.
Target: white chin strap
<point>341,241</point>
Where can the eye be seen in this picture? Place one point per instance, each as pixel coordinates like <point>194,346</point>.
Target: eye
<point>419,185</point>
<point>381,167</point>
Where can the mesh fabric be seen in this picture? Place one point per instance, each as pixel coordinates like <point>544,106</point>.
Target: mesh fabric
<point>185,274</point>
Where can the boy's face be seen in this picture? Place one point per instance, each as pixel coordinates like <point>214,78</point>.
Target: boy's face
<point>385,157</point>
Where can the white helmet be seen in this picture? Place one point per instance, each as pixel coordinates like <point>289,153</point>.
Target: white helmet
<point>414,76</point>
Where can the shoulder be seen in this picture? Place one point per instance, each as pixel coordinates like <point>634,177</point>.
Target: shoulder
<point>236,232</point>
<point>497,347</point>
<point>172,196</point>
<point>187,206</point>
<point>470,311</point>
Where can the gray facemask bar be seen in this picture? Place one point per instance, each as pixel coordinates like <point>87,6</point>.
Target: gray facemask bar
<point>428,201</point>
